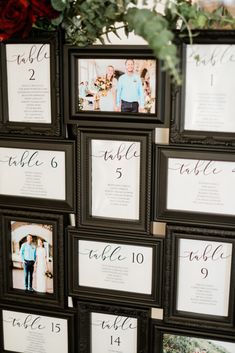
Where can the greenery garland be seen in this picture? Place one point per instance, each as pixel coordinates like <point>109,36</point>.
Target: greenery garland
<point>86,21</point>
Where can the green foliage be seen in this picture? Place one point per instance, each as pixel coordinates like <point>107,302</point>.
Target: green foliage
<point>86,21</point>
<point>59,5</point>
<point>184,344</point>
<point>153,27</point>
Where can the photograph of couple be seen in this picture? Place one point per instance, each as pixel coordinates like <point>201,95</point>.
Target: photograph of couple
<point>184,344</point>
<point>117,85</point>
<point>32,257</point>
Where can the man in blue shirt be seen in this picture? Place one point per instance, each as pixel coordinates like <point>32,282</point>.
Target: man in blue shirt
<point>130,93</point>
<point>28,256</point>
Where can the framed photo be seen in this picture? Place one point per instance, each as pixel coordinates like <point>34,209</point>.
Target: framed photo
<point>168,340</point>
<point>203,113</point>
<point>32,258</point>
<point>30,75</point>
<point>121,269</point>
<point>113,83</point>
<point>114,169</point>
<point>107,329</point>
<point>195,185</point>
<point>200,277</point>
<point>29,169</point>
<point>32,330</point>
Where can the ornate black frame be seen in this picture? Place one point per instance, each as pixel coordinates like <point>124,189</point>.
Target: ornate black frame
<point>115,296</point>
<point>84,219</point>
<point>55,128</point>
<point>159,330</point>
<point>161,213</point>
<point>177,132</point>
<point>85,310</point>
<point>174,316</point>
<point>11,294</point>
<point>87,118</point>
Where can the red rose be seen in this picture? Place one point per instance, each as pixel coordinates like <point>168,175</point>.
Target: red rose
<point>16,18</point>
<point>43,8</point>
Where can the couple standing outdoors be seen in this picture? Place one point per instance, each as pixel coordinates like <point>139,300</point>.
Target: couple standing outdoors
<point>126,94</point>
<point>34,258</point>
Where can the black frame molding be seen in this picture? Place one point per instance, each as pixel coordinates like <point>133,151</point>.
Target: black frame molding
<point>84,218</point>
<point>86,309</point>
<point>55,299</point>
<point>174,316</point>
<point>85,118</point>
<point>178,134</point>
<point>55,128</point>
<point>115,296</point>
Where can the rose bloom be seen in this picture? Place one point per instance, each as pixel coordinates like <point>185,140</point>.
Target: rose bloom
<point>15,18</point>
<point>43,8</point>
<point>18,16</point>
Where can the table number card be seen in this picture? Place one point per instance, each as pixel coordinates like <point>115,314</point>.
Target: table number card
<point>35,172</point>
<point>24,332</point>
<point>115,179</point>
<point>113,334</point>
<point>29,83</point>
<point>204,274</point>
<point>210,106</point>
<point>115,266</point>
<point>207,186</point>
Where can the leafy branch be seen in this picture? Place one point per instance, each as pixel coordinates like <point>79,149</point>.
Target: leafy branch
<point>86,21</point>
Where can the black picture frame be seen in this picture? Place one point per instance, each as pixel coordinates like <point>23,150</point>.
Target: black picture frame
<point>85,311</point>
<point>33,319</point>
<point>195,340</point>
<point>180,133</point>
<point>30,160</point>
<point>213,241</point>
<point>87,117</point>
<point>149,295</point>
<point>52,231</point>
<point>47,130</point>
<point>198,162</point>
<point>145,139</point>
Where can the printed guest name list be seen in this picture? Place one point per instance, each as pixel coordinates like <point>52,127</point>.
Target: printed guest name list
<point>204,270</point>
<point>115,266</point>
<point>27,333</point>
<point>115,179</point>
<point>201,186</point>
<point>113,334</point>
<point>210,86</point>
<point>32,173</point>
<point>29,83</point>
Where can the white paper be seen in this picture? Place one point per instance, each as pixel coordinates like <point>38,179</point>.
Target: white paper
<point>204,271</point>
<point>32,173</point>
<point>210,87</point>
<point>113,334</point>
<point>201,186</point>
<point>115,179</point>
<point>29,333</point>
<point>29,83</point>
<point>115,266</point>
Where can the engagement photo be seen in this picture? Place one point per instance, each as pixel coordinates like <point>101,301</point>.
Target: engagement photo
<point>32,257</point>
<point>117,85</point>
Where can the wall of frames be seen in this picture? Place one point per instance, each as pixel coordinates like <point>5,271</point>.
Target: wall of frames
<point>112,241</point>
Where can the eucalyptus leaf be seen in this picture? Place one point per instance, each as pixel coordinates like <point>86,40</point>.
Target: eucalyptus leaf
<point>59,5</point>
<point>57,21</point>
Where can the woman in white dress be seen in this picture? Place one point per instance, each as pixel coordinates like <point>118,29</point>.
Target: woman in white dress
<point>108,100</point>
<point>41,267</point>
